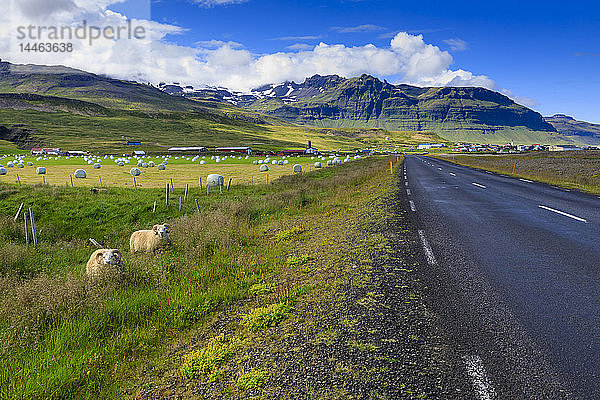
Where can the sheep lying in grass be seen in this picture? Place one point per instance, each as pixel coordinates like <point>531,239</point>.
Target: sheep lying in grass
<point>104,261</point>
<point>149,241</point>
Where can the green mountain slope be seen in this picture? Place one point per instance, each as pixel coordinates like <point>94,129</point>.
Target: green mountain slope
<point>580,131</point>
<point>466,114</point>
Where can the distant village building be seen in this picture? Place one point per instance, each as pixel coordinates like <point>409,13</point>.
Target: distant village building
<point>138,153</point>
<point>46,151</point>
<point>134,143</point>
<point>246,150</point>
<point>427,146</point>
<point>564,147</point>
<point>76,153</point>
<point>187,149</point>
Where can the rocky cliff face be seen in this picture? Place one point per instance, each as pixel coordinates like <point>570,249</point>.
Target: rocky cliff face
<point>368,102</point>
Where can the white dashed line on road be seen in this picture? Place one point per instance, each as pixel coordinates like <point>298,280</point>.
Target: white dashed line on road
<point>481,384</point>
<point>564,213</point>
<point>525,180</point>
<point>427,249</point>
<point>408,192</point>
<point>452,174</point>
<point>412,206</point>
<point>478,185</point>
<point>405,183</point>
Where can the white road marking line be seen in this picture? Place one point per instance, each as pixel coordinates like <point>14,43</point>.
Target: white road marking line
<point>488,172</point>
<point>478,185</point>
<point>440,169</point>
<point>481,384</point>
<point>412,206</point>
<point>452,174</point>
<point>525,180</point>
<point>564,213</point>
<point>427,248</point>
<point>406,183</point>
<point>408,192</point>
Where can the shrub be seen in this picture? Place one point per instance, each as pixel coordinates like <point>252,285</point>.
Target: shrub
<point>252,379</point>
<point>209,361</point>
<point>260,289</point>
<point>289,233</point>
<point>266,317</point>
<point>298,260</point>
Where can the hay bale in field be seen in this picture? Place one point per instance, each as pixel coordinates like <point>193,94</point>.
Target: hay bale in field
<point>329,162</point>
<point>29,164</point>
<point>121,164</point>
<point>318,165</point>
<point>135,172</point>
<point>162,167</point>
<point>145,165</point>
<point>40,170</point>
<point>280,162</point>
<point>20,165</point>
<point>80,174</point>
<point>9,164</point>
<point>97,166</point>
<point>202,162</point>
<point>297,168</point>
<point>2,171</point>
<point>264,168</point>
<point>151,164</point>
<point>215,180</point>
<point>255,162</point>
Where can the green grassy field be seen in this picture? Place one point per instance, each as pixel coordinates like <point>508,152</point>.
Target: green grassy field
<point>578,170</point>
<point>181,171</point>
<point>65,337</point>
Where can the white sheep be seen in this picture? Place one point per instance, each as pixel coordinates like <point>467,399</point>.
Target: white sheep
<point>104,261</point>
<point>149,241</point>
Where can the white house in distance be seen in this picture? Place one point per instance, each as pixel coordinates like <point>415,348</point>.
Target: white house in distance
<point>246,150</point>
<point>564,147</point>
<point>427,146</point>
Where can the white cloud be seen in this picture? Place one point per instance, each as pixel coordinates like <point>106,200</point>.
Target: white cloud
<point>524,100</point>
<point>213,3</point>
<point>457,44</point>
<point>407,59</point>
<point>299,46</point>
<point>358,29</point>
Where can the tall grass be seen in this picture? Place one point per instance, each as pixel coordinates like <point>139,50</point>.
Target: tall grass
<point>62,336</point>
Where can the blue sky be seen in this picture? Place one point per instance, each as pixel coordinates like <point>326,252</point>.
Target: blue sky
<point>545,55</point>
<point>547,51</point>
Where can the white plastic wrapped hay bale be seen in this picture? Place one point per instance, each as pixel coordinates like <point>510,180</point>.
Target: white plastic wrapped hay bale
<point>215,180</point>
<point>40,170</point>
<point>264,168</point>
<point>318,165</point>
<point>80,174</point>
<point>329,162</point>
<point>121,164</point>
<point>255,162</point>
<point>297,168</point>
<point>20,165</point>
<point>145,165</point>
<point>280,162</point>
<point>9,164</point>
<point>274,162</point>
<point>135,172</point>
<point>151,164</point>
<point>202,162</point>
<point>162,167</point>
<point>2,171</point>
<point>140,164</point>
<point>97,166</point>
<point>29,164</point>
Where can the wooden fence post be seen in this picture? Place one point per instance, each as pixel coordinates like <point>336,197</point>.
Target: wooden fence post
<point>172,187</point>
<point>186,192</point>
<point>19,179</point>
<point>167,194</point>
<point>197,206</point>
<point>134,184</point>
<point>19,211</point>
<point>71,176</point>
<point>99,177</point>
<point>200,182</point>
<point>26,229</point>
<point>34,235</point>
<point>154,207</point>
<point>229,184</point>
<point>179,203</point>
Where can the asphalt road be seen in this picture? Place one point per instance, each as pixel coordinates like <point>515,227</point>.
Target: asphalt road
<point>514,273</point>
